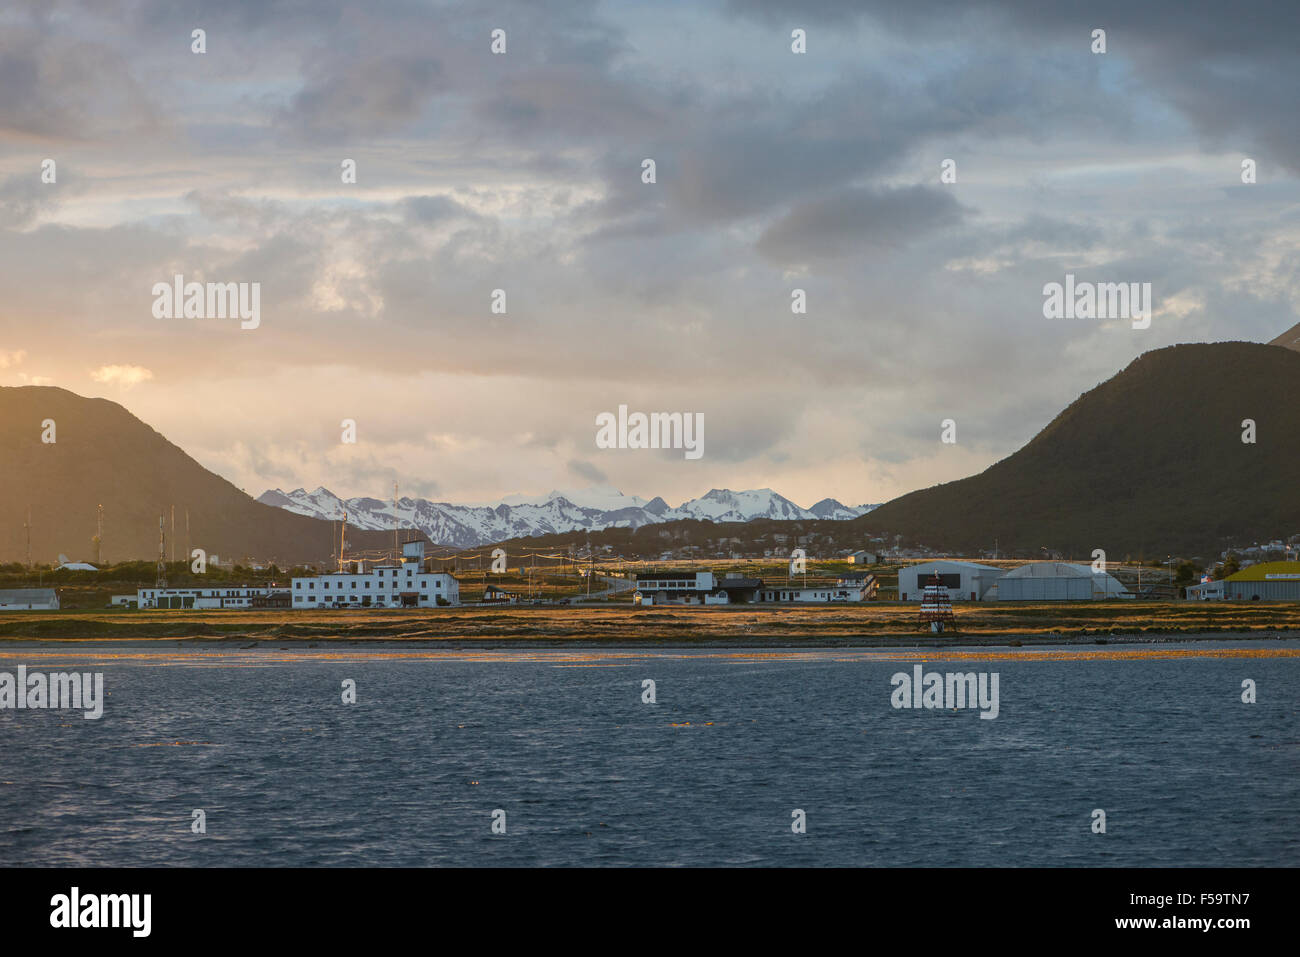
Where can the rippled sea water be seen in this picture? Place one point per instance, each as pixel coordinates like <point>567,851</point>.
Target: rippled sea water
<point>588,774</point>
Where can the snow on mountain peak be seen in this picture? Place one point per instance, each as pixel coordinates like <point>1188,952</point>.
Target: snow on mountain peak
<point>594,508</point>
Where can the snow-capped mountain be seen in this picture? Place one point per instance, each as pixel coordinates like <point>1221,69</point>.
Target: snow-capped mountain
<point>516,516</point>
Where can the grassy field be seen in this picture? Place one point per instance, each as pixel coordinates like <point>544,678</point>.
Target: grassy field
<point>870,623</point>
<point>90,592</point>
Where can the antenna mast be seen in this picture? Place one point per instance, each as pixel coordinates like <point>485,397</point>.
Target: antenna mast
<point>397,552</point>
<point>162,553</point>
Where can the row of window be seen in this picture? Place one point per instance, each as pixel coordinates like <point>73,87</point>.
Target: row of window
<point>311,586</point>
<point>198,593</point>
<point>795,596</point>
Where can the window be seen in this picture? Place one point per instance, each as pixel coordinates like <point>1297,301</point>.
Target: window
<point>948,581</point>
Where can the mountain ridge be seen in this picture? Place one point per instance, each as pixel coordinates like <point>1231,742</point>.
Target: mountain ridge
<point>101,454</point>
<point>516,516</point>
<point>1152,457</point>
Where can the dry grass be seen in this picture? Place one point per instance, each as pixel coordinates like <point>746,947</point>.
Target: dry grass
<point>868,623</point>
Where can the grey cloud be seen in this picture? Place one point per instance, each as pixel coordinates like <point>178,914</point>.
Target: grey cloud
<point>58,87</point>
<point>1232,71</point>
<point>587,471</point>
<point>346,100</point>
<point>846,222</point>
<point>427,210</point>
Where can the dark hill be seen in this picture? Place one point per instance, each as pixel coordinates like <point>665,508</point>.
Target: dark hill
<point>1150,460</point>
<point>106,456</point>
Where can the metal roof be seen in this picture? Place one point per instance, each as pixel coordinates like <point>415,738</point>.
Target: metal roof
<point>26,596</point>
<point>1287,571</point>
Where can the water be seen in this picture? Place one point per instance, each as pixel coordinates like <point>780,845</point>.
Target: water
<point>587,774</point>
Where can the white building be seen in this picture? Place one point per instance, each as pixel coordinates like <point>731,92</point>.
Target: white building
<point>207,597</point>
<point>688,598</point>
<point>851,588</point>
<point>1058,581</point>
<point>676,588</point>
<point>405,585</point>
<point>965,581</point>
<point>29,599</point>
<point>676,582</point>
<point>1207,590</point>
<point>862,558</point>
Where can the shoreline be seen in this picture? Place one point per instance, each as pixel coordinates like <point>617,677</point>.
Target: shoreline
<point>748,642</point>
<point>870,625</point>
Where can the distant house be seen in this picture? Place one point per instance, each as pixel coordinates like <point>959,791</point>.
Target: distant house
<point>849,588</point>
<point>674,588</point>
<point>497,595</point>
<point>1207,590</point>
<point>862,558</point>
<point>29,599</point>
<point>210,597</point>
<point>272,599</point>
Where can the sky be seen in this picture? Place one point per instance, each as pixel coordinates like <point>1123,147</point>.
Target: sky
<point>522,171</point>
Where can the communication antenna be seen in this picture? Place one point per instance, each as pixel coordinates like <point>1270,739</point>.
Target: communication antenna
<point>28,527</point>
<point>99,534</point>
<point>162,553</point>
<point>343,530</point>
<point>397,553</point>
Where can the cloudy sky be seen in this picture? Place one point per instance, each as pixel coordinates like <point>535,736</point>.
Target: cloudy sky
<point>523,172</point>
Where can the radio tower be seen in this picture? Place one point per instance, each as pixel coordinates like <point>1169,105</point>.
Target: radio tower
<point>397,552</point>
<point>162,553</point>
<point>28,527</point>
<point>343,530</point>
<point>99,534</point>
